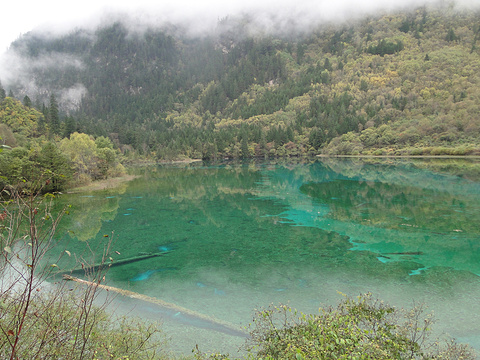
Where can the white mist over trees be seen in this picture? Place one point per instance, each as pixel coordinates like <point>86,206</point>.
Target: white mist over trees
<point>60,17</point>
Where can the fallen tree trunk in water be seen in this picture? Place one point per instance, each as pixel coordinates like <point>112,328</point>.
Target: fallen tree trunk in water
<point>94,268</point>
<point>202,321</point>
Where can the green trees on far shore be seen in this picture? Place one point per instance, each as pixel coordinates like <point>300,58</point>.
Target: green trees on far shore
<point>39,158</point>
<point>162,95</point>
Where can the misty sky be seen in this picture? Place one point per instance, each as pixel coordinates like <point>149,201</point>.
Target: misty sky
<point>19,17</point>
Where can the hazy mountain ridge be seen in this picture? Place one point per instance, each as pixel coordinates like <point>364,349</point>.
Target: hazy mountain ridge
<point>405,82</point>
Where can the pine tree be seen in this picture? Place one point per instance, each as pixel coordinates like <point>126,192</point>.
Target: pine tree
<point>451,36</point>
<point>53,116</point>
<point>3,94</point>
<point>327,65</point>
<point>56,166</point>
<point>27,102</point>
<point>70,126</point>
<point>300,52</point>
<point>244,146</point>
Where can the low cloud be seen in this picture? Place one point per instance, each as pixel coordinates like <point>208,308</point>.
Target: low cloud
<point>71,98</point>
<point>18,72</point>
<point>199,17</point>
<point>270,15</point>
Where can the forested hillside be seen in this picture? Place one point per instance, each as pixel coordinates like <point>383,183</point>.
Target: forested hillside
<point>400,83</point>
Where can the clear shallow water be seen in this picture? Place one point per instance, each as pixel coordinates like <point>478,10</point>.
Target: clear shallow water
<point>239,237</point>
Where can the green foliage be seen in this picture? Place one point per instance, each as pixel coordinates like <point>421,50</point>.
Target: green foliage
<point>91,159</point>
<point>14,166</point>
<point>358,328</point>
<point>60,328</point>
<point>162,95</point>
<point>53,116</point>
<point>347,144</point>
<point>102,142</point>
<point>19,118</point>
<point>38,321</point>
<point>385,47</point>
<point>44,170</point>
<point>451,35</point>
<point>3,94</point>
<point>55,168</point>
<point>7,136</point>
<point>26,101</point>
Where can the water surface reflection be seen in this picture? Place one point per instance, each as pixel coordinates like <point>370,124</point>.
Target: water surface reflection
<point>238,237</point>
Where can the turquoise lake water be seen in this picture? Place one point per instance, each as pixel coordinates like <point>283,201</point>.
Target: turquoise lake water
<point>238,237</point>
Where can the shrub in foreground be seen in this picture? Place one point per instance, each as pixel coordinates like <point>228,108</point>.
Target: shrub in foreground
<point>359,328</point>
<point>43,320</point>
<point>62,327</point>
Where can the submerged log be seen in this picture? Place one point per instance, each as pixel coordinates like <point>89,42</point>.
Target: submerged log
<point>202,321</point>
<point>406,253</point>
<point>105,265</point>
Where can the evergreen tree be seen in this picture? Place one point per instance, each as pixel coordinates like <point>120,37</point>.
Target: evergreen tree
<point>3,94</point>
<point>300,52</point>
<point>53,117</point>
<point>56,168</point>
<point>70,126</point>
<point>244,147</point>
<point>327,65</point>
<point>42,125</point>
<point>405,26</point>
<point>27,102</point>
<point>45,111</point>
<point>451,36</point>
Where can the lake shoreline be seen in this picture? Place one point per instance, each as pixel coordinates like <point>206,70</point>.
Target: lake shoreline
<point>161,162</point>
<point>401,156</point>
<point>114,182</point>
<point>102,184</point>
<point>117,181</point>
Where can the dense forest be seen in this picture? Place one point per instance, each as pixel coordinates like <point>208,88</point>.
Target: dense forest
<point>403,83</point>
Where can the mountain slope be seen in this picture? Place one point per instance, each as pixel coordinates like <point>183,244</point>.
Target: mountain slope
<point>401,83</point>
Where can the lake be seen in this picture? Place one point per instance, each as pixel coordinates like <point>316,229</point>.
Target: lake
<point>238,237</point>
